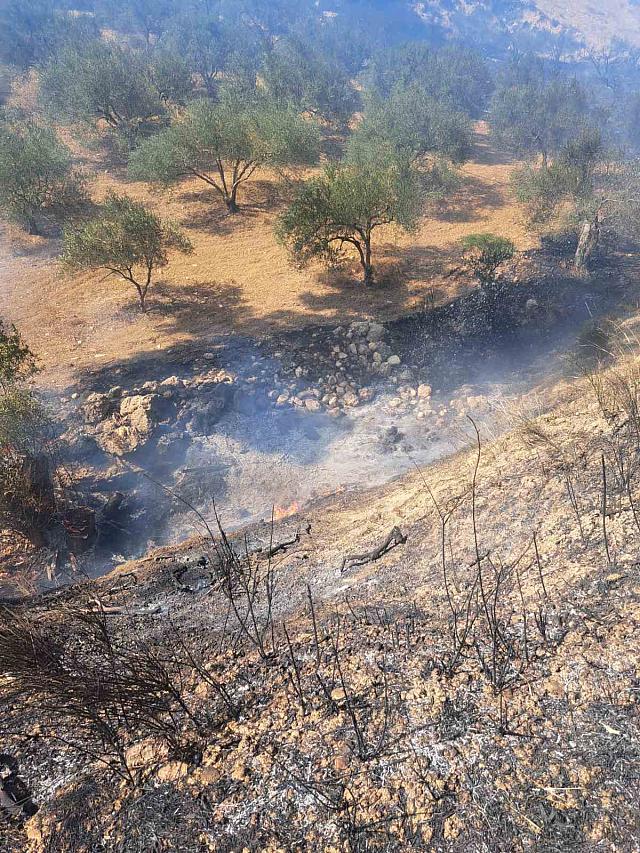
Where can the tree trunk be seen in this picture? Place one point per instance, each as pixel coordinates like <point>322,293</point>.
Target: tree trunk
<point>366,263</point>
<point>588,242</point>
<point>230,201</point>
<point>142,296</point>
<point>32,227</point>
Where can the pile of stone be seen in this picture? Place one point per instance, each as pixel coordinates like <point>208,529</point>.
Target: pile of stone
<point>335,372</point>
<point>122,421</point>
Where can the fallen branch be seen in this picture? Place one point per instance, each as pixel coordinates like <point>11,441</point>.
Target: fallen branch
<point>395,538</point>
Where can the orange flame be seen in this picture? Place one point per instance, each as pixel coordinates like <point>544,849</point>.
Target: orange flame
<point>281,512</point>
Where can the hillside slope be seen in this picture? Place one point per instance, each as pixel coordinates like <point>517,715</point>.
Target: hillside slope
<point>597,23</point>
<point>421,705</point>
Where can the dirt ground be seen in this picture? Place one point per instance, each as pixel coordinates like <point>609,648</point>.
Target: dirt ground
<point>239,279</point>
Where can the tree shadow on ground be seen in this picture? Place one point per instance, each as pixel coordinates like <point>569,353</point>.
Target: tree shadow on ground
<point>254,199</point>
<point>199,306</point>
<point>486,152</point>
<point>470,201</point>
<point>405,277</point>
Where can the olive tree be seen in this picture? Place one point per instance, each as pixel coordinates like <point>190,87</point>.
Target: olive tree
<point>127,240</point>
<point>415,124</point>
<point>37,176</point>
<point>17,362</point>
<point>97,82</point>
<point>345,205</point>
<point>579,185</point>
<point>32,32</point>
<point>538,118</point>
<point>296,73</point>
<point>215,46</point>
<point>223,144</point>
<point>455,76</point>
<point>28,488</point>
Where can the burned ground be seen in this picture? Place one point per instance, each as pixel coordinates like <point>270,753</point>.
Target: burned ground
<point>473,688</point>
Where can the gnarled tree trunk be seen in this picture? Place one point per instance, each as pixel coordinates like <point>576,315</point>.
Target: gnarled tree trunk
<point>587,243</point>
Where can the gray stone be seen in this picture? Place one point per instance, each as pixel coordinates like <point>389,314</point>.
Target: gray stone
<point>376,332</point>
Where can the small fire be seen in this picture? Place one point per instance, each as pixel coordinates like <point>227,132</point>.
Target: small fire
<point>281,512</point>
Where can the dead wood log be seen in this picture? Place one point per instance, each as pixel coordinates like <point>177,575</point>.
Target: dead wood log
<point>283,546</point>
<point>395,538</point>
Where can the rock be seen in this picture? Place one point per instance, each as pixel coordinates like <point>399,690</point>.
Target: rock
<point>312,405</point>
<point>99,407</point>
<point>335,412</point>
<point>366,394</point>
<point>360,327</point>
<point>376,332</point>
<point>138,402</point>
<point>377,358</point>
<point>172,771</point>
<point>173,382</point>
<point>351,399</point>
<point>424,391</point>
<point>119,439</point>
<point>394,360</point>
<point>282,399</point>
<point>299,371</point>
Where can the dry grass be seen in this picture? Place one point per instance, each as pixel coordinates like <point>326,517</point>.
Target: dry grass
<point>240,279</point>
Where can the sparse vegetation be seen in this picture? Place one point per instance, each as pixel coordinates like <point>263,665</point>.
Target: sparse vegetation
<point>484,254</point>
<point>125,239</point>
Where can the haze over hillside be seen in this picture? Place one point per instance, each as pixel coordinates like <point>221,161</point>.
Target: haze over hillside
<point>597,24</point>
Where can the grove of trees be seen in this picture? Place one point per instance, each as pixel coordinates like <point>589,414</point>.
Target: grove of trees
<point>220,89</point>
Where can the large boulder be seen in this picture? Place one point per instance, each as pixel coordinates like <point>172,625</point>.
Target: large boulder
<point>131,426</point>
